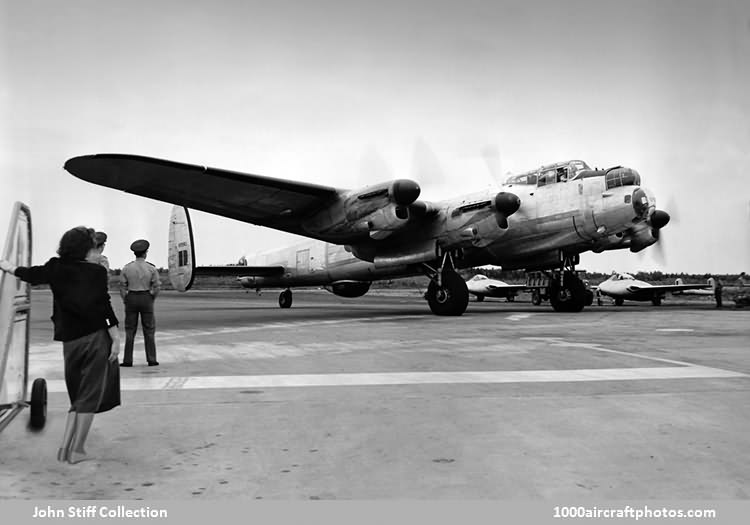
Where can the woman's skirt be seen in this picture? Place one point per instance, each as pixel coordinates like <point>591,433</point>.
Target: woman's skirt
<point>93,382</point>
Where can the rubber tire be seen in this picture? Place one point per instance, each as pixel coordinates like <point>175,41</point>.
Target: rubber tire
<point>455,295</point>
<point>480,298</point>
<point>656,301</point>
<point>285,299</point>
<point>619,301</point>
<point>536,298</point>
<point>576,291</point>
<point>38,404</point>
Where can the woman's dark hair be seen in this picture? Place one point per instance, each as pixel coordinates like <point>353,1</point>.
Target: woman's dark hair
<point>76,243</point>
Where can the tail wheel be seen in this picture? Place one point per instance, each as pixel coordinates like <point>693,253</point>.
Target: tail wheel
<point>285,299</point>
<point>450,298</point>
<point>38,404</point>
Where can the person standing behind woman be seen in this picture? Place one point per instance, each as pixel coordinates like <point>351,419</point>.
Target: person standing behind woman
<point>97,256</point>
<point>85,323</point>
<point>139,286</point>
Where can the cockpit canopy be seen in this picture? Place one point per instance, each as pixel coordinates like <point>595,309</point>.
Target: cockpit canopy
<point>622,277</point>
<point>575,170</point>
<point>550,174</point>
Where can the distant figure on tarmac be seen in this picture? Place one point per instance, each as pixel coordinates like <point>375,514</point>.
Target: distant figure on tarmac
<point>741,281</point>
<point>716,285</point>
<point>139,286</point>
<point>86,324</point>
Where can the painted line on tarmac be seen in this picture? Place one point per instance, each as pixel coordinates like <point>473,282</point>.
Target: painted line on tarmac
<point>560,342</point>
<point>414,378</point>
<point>273,326</point>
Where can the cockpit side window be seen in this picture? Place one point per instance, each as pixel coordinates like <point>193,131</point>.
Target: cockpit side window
<point>547,177</point>
<point>526,178</point>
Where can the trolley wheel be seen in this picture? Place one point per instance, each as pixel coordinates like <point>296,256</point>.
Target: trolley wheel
<point>38,404</point>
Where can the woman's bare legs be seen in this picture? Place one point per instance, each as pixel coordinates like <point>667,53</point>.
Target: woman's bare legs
<point>70,430</point>
<point>82,427</point>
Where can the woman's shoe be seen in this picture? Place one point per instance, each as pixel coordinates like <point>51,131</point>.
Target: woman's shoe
<point>76,457</point>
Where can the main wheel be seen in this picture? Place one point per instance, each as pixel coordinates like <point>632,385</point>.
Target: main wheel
<point>285,299</point>
<point>656,300</point>
<point>570,297</point>
<point>38,404</point>
<point>480,298</point>
<point>619,301</point>
<point>451,298</point>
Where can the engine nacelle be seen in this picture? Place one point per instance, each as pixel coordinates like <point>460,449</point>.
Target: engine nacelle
<point>375,210</point>
<point>642,239</point>
<point>349,288</point>
<point>398,193</point>
<point>637,238</point>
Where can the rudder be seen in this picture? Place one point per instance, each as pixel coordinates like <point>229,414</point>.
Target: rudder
<point>181,250</point>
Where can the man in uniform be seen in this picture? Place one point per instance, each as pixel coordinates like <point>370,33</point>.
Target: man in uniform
<point>139,286</point>
<point>717,286</point>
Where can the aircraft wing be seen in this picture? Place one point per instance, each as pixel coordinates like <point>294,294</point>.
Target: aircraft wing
<point>251,271</point>
<point>670,287</point>
<point>507,287</point>
<point>266,201</point>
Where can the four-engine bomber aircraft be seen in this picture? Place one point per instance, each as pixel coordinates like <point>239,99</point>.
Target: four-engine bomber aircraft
<point>539,220</point>
<point>621,286</point>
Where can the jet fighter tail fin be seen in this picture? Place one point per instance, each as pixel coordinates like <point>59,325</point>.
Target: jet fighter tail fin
<point>181,250</point>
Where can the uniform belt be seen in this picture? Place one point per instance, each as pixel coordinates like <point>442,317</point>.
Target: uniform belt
<point>139,291</point>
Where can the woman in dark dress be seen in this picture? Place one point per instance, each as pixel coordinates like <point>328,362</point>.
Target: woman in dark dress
<point>86,324</point>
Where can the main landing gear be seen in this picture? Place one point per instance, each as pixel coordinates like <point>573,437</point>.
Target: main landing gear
<point>447,293</point>
<point>567,293</point>
<point>285,298</point>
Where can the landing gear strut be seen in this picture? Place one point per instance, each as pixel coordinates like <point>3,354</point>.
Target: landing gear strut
<point>447,293</point>
<point>567,292</point>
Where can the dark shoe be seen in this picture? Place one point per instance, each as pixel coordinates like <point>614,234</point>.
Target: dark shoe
<point>126,364</point>
<point>153,363</point>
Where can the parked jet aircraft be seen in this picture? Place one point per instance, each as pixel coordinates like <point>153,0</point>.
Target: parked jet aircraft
<point>538,220</point>
<point>621,286</point>
<point>482,286</point>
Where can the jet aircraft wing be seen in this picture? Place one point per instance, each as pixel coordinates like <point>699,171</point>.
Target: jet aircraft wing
<point>669,287</point>
<point>265,201</point>
<point>508,287</point>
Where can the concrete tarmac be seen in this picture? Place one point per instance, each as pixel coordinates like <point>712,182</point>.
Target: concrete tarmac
<point>376,398</point>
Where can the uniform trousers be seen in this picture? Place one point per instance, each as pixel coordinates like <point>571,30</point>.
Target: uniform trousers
<point>139,303</point>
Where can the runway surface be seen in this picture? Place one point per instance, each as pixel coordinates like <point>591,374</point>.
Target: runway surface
<point>375,398</point>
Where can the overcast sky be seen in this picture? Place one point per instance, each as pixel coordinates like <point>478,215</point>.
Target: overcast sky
<point>344,92</point>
